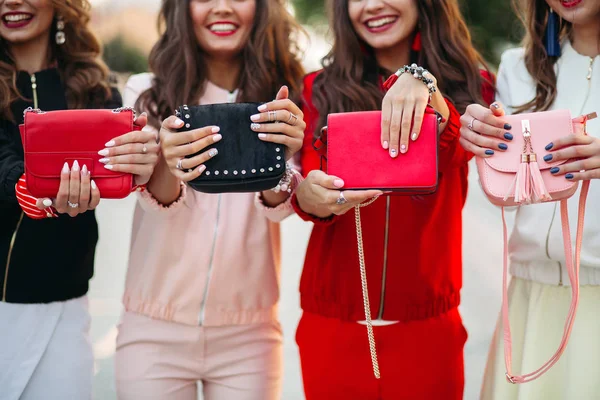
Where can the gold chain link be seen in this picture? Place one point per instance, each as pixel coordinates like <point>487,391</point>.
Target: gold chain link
<point>365,290</point>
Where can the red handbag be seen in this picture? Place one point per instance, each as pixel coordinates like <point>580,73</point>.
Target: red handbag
<point>350,145</point>
<point>52,138</point>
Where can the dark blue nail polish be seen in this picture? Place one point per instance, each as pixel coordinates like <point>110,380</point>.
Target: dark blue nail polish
<point>569,176</point>
<point>554,170</point>
<point>508,136</point>
<point>548,157</point>
<point>502,146</point>
<point>549,146</point>
<point>508,127</point>
<point>489,152</point>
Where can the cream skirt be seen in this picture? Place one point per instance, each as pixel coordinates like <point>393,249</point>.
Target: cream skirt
<point>537,317</point>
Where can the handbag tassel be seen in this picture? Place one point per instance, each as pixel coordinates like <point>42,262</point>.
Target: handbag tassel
<point>540,192</point>
<point>521,186</point>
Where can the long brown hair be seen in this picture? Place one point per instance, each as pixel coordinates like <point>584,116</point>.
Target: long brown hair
<point>351,77</point>
<point>270,59</point>
<point>82,71</point>
<point>534,16</point>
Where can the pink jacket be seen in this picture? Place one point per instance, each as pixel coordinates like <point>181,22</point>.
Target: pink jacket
<point>207,259</point>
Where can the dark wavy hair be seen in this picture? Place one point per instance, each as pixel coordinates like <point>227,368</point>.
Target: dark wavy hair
<point>270,59</point>
<point>82,70</point>
<point>351,79</point>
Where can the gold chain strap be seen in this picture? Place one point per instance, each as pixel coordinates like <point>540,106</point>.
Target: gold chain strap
<point>365,290</point>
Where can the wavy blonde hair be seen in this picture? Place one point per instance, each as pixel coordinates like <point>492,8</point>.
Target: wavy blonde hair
<point>82,70</point>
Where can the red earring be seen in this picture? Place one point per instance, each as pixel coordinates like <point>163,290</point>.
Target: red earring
<point>416,45</point>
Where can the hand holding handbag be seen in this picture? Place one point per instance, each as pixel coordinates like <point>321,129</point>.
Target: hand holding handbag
<point>350,149</point>
<point>519,176</point>
<point>244,162</point>
<point>52,138</point>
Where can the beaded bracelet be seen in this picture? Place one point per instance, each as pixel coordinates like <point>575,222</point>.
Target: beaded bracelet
<point>285,184</point>
<point>417,72</point>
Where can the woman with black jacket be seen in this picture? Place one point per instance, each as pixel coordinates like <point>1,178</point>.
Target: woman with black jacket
<point>50,60</point>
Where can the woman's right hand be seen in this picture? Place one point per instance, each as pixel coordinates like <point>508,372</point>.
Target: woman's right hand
<point>483,130</point>
<point>319,193</point>
<point>176,146</point>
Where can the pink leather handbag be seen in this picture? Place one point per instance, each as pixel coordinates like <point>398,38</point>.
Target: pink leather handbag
<point>520,176</point>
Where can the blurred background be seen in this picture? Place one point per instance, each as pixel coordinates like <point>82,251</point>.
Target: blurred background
<point>128,28</point>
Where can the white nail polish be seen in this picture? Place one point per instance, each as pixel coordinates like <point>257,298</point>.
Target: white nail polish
<point>94,185</point>
<point>213,152</point>
<point>65,169</point>
<point>216,138</point>
<point>75,166</point>
<point>403,149</point>
<point>414,136</point>
<point>178,121</point>
<point>386,145</point>
<point>255,117</point>
<point>104,160</point>
<point>103,152</point>
<point>108,167</point>
<point>262,135</point>
<point>262,108</point>
<point>215,129</point>
<point>393,152</point>
<point>47,202</point>
<point>84,170</point>
<point>201,168</point>
<point>255,126</point>
<point>110,143</point>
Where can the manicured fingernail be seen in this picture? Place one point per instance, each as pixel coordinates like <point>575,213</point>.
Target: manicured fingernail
<point>403,148</point>
<point>104,160</point>
<point>569,176</point>
<point>201,168</point>
<point>47,202</point>
<point>255,117</point>
<point>110,143</point>
<point>489,152</point>
<point>508,136</point>
<point>496,105</point>
<point>502,146</point>
<point>178,122</point>
<point>548,157</point>
<point>507,126</point>
<point>338,183</point>
<point>215,129</point>
<point>393,152</point>
<point>94,185</point>
<point>75,166</point>
<point>84,170</point>
<point>216,138</point>
<point>213,152</point>
<point>262,135</point>
<point>386,145</point>
<point>255,126</point>
<point>109,166</point>
<point>549,146</point>
<point>103,152</point>
<point>414,136</point>
<point>554,170</point>
<point>262,107</point>
<point>65,168</point>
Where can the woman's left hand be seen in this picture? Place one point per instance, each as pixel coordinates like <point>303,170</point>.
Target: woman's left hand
<point>281,121</point>
<point>134,152</point>
<point>584,149</point>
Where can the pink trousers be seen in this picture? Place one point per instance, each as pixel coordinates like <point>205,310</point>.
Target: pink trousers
<point>160,360</point>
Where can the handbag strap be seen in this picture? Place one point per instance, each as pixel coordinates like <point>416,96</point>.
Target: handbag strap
<point>573,271</point>
<point>365,290</point>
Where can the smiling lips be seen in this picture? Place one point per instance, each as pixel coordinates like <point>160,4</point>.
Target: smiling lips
<point>570,3</point>
<point>16,20</point>
<point>223,28</point>
<point>380,24</point>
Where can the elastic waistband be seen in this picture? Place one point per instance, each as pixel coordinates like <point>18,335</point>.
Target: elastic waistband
<point>553,273</point>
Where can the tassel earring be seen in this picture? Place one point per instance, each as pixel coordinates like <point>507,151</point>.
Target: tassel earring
<point>551,39</point>
<point>416,45</point>
<point>60,31</point>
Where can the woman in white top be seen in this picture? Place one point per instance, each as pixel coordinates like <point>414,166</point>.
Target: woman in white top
<point>533,79</point>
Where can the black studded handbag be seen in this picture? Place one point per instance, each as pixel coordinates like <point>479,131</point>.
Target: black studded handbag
<point>244,162</point>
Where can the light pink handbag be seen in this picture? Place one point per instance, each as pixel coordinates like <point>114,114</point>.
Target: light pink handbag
<point>520,176</point>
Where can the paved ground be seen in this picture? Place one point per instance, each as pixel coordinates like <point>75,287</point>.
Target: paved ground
<point>481,293</point>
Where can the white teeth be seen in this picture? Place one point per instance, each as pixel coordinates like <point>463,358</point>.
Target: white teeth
<point>222,27</point>
<point>376,23</point>
<point>16,17</point>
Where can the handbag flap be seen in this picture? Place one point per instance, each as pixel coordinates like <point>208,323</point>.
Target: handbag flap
<point>544,127</point>
<point>242,156</point>
<point>52,138</point>
<point>355,154</point>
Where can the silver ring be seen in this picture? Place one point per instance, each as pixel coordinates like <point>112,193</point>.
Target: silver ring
<point>341,200</point>
<point>73,205</point>
<point>179,166</point>
<point>292,116</point>
<point>272,116</point>
<point>144,149</point>
<point>470,126</point>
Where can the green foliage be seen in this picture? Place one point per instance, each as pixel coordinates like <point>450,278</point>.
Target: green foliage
<point>492,23</point>
<point>122,57</point>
